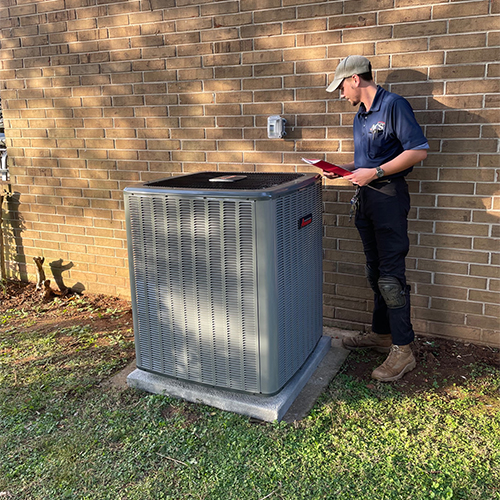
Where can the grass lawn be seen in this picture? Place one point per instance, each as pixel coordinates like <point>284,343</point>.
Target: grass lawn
<point>66,434</point>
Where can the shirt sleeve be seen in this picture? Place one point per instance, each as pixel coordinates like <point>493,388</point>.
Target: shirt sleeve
<point>407,129</point>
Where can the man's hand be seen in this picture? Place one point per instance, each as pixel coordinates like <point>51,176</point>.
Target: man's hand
<point>362,176</point>
<point>330,175</point>
<point>346,166</point>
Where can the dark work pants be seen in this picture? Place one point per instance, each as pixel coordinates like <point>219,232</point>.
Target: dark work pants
<point>382,222</point>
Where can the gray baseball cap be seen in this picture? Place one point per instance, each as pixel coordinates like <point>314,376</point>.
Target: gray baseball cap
<point>351,65</point>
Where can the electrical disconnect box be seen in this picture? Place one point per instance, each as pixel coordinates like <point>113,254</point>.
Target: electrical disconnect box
<point>276,127</point>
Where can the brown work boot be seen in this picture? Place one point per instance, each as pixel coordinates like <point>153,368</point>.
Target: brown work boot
<point>375,341</point>
<point>400,361</point>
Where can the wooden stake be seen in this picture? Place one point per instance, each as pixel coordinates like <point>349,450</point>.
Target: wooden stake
<point>40,273</point>
<point>47,293</point>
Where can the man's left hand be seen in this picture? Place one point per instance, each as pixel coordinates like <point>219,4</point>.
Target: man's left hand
<point>362,176</point>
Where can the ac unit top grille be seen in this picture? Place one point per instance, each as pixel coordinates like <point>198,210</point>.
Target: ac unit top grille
<point>232,180</point>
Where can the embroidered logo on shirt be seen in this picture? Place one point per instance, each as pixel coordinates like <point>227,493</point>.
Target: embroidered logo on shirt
<point>377,128</point>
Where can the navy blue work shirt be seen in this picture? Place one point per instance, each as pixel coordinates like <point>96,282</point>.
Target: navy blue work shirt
<point>385,131</point>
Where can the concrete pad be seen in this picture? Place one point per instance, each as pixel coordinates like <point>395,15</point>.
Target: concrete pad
<point>319,381</point>
<point>119,380</point>
<point>267,408</point>
<point>300,407</point>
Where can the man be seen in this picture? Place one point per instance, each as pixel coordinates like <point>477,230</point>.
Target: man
<point>387,143</point>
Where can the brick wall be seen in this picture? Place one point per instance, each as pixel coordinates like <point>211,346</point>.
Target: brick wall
<point>98,95</point>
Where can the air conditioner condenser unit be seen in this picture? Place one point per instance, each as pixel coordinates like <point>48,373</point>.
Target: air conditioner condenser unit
<point>226,277</point>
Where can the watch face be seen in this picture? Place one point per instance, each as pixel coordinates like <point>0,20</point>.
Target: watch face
<point>380,172</point>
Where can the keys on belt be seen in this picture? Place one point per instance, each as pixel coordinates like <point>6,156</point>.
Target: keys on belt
<point>354,203</point>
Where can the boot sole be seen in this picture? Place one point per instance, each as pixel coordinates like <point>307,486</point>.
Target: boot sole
<point>406,369</point>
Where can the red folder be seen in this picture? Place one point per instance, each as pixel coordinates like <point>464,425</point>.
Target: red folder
<point>328,167</point>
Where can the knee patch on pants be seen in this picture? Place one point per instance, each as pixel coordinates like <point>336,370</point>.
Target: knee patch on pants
<point>392,292</point>
<point>372,277</point>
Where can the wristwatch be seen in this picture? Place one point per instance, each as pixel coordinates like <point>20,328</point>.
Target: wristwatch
<point>380,172</point>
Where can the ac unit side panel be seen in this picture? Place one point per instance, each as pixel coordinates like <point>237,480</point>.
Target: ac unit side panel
<point>194,296</point>
<point>299,263</point>
<point>139,222</point>
<point>289,263</point>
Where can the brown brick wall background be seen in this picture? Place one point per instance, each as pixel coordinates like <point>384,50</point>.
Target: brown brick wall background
<point>98,95</point>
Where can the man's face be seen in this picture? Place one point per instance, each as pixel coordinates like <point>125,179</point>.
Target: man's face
<point>349,90</point>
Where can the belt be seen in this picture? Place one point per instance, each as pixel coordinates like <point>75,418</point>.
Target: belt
<point>375,185</point>
<point>380,182</point>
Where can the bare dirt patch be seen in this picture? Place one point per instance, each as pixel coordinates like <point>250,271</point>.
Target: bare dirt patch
<point>441,363</point>
<point>103,317</point>
<point>20,295</point>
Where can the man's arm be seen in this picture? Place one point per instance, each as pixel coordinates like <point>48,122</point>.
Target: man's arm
<point>408,158</point>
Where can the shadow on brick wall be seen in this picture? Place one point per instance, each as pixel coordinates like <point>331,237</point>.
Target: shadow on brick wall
<point>13,228</point>
<point>57,268</point>
<point>463,140</point>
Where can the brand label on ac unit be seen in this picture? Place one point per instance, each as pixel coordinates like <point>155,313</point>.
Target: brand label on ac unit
<point>305,221</point>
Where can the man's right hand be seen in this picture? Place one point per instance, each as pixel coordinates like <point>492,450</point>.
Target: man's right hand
<point>330,175</point>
